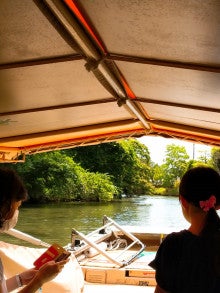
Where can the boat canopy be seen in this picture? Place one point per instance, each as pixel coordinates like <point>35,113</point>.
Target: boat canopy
<point>76,73</point>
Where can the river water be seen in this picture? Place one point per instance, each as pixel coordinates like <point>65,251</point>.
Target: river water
<point>53,222</point>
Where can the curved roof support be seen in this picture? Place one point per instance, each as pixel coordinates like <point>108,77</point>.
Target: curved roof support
<point>94,53</point>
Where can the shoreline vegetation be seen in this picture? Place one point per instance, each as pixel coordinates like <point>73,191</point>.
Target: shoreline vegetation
<point>106,172</point>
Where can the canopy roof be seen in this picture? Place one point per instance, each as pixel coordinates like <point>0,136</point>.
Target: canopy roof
<point>84,72</point>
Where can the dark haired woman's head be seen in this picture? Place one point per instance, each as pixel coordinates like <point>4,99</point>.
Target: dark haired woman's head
<point>12,190</point>
<point>199,185</point>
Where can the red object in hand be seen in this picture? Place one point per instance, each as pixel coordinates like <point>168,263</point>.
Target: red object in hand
<point>54,252</point>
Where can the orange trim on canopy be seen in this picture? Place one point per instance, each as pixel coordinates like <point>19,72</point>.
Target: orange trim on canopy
<point>127,88</point>
<point>73,6</point>
<point>84,140</point>
<point>187,135</point>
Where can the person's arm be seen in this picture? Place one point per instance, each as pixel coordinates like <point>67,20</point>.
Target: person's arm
<point>160,290</point>
<point>45,274</point>
<point>33,279</point>
<point>20,280</point>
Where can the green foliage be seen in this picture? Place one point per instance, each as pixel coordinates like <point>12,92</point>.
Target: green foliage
<point>96,187</point>
<point>215,155</point>
<point>157,176</point>
<point>135,176</point>
<point>105,171</point>
<point>197,163</point>
<point>126,162</point>
<point>159,191</point>
<point>175,165</point>
<point>56,177</point>
<point>106,158</point>
<point>173,168</point>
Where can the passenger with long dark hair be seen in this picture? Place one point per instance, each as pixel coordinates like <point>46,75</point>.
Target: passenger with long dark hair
<point>12,194</point>
<point>189,260</point>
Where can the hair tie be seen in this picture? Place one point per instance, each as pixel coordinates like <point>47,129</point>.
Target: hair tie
<point>206,205</point>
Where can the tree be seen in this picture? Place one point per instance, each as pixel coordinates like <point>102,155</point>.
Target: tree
<point>127,162</point>
<point>175,165</point>
<point>49,177</point>
<point>136,174</point>
<point>106,158</point>
<point>215,156</point>
<point>96,187</point>
<point>157,175</point>
<point>56,177</point>
<point>204,157</point>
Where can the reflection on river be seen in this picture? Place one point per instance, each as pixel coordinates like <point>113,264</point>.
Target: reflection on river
<point>53,222</point>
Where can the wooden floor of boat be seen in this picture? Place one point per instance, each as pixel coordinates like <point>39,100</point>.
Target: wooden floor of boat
<point>109,288</point>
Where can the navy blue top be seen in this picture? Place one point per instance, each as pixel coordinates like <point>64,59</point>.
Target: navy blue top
<point>183,266</point>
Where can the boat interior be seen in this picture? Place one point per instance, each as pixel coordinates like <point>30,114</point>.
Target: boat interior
<point>79,72</point>
<point>76,73</point>
<point>110,255</point>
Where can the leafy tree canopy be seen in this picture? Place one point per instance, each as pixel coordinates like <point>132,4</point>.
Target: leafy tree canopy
<point>126,162</point>
<point>215,155</point>
<point>105,171</point>
<point>175,164</point>
<point>54,177</point>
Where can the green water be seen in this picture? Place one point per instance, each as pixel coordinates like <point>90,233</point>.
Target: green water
<point>53,222</point>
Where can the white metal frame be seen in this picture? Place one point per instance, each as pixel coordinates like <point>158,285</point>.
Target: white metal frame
<point>94,238</point>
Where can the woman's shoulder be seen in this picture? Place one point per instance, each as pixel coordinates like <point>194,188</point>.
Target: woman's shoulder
<point>173,243</point>
<point>179,235</point>
<point>170,245</point>
<point>177,240</point>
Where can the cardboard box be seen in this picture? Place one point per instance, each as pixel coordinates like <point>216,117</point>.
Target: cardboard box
<point>120,276</point>
<point>140,281</point>
<point>95,276</point>
<point>141,273</point>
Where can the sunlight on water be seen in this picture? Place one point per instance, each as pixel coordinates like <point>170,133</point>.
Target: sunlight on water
<point>154,214</point>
